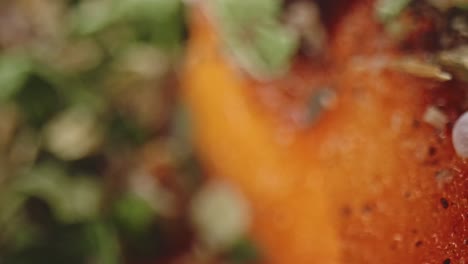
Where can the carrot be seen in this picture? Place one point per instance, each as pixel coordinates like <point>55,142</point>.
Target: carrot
<point>368,182</point>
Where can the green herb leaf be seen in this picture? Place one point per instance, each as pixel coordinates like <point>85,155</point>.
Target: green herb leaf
<point>244,251</point>
<point>133,214</point>
<point>252,32</point>
<point>275,46</point>
<point>39,100</point>
<point>72,199</point>
<point>89,17</point>
<point>14,69</point>
<point>158,21</point>
<point>387,10</point>
<point>104,242</point>
<point>243,12</point>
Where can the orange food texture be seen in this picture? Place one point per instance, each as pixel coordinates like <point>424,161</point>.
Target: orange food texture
<point>368,182</point>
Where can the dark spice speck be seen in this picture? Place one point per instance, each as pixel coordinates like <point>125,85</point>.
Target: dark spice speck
<point>432,151</point>
<point>447,261</point>
<point>418,243</point>
<point>407,194</point>
<point>367,208</point>
<point>346,211</point>
<point>444,203</point>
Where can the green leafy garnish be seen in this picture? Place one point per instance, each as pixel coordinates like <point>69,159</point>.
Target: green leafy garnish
<point>14,70</point>
<point>244,251</point>
<point>133,214</point>
<point>72,199</point>
<point>254,35</point>
<point>387,10</point>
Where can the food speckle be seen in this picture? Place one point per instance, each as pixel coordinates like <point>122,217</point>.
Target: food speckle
<point>447,261</point>
<point>303,17</point>
<point>324,98</point>
<point>407,194</point>
<point>443,177</point>
<point>367,208</point>
<point>418,243</point>
<point>346,211</point>
<point>432,151</point>
<point>422,69</point>
<point>435,117</point>
<point>416,124</point>
<point>444,203</point>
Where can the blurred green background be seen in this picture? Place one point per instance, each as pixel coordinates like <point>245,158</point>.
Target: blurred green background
<point>96,164</point>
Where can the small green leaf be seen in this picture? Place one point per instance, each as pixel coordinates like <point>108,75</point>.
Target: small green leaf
<point>14,70</point>
<point>275,46</point>
<point>10,203</point>
<point>244,251</point>
<point>104,242</point>
<point>133,214</point>
<point>89,17</point>
<point>157,21</point>
<point>83,199</point>
<point>387,10</point>
<point>25,234</point>
<point>149,10</point>
<point>123,130</point>
<point>39,100</point>
<point>71,199</point>
<point>244,12</point>
<point>254,35</point>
